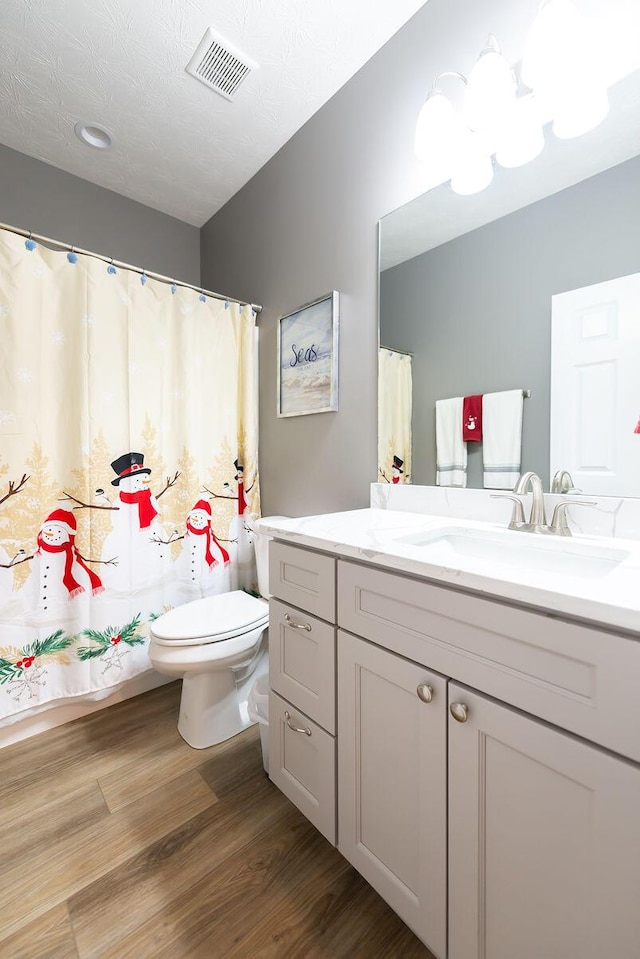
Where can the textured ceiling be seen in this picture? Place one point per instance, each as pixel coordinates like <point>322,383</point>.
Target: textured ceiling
<point>179,147</point>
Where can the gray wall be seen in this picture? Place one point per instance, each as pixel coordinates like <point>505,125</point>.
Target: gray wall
<point>307,223</point>
<point>38,197</point>
<point>476,312</point>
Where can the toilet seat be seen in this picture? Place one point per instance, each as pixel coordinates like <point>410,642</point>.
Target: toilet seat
<point>210,620</point>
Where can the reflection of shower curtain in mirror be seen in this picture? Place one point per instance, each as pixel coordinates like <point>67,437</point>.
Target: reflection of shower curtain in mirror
<point>394,416</point>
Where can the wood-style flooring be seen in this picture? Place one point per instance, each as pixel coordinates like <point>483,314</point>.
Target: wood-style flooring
<point>118,840</point>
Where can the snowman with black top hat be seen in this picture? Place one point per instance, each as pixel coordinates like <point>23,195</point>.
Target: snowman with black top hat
<point>137,538</point>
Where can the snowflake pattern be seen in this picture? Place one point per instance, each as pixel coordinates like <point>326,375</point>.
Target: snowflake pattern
<point>7,418</point>
<point>25,375</point>
<point>4,310</point>
<point>29,682</point>
<point>37,269</point>
<point>58,338</point>
<point>112,659</point>
<point>90,319</point>
<point>124,298</point>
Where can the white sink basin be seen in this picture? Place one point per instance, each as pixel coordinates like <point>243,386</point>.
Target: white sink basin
<point>518,552</point>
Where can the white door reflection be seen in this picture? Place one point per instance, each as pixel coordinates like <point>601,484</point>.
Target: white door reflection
<point>595,386</point>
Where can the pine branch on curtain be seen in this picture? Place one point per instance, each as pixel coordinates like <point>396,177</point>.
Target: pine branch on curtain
<point>128,466</point>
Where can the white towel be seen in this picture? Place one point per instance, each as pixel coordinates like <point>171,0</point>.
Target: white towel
<point>501,438</point>
<point>451,450</point>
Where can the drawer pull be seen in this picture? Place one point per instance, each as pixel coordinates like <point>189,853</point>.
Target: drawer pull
<point>425,693</point>
<point>295,729</point>
<point>459,712</point>
<point>293,625</point>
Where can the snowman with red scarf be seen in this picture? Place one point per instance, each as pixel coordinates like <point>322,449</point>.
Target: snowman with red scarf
<point>137,538</point>
<point>58,572</point>
<point>203,565</point>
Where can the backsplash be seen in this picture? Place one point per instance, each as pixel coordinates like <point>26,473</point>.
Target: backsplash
<point>611,517</point>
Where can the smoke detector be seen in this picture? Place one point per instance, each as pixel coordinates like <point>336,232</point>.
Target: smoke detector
<point>219,65</point>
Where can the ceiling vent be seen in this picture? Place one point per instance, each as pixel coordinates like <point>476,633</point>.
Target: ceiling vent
<point>219,65</point>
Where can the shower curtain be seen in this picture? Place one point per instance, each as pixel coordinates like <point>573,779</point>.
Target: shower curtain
<point>394,416</point>
<point>128,466</point>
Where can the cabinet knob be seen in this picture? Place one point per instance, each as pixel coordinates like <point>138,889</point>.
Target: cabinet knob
<point>459,712</point>
<point>425,693</point>
<point>290,622</point>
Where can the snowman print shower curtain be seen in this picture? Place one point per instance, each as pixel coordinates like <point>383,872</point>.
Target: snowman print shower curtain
<point>128,466</point>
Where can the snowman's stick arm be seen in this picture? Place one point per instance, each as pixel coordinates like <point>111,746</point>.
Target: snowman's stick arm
<point>106,562</point>
<point>82,505</point>
<point>213,495</point>
<point>384,476</point>
<point>165,542</point>
<point>15,487</point>
<point>249,488</point>
<point>16,562</point>
<point>170,483</point>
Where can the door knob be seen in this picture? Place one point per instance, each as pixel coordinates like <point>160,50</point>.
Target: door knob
<point>459,712</point>
<point>425,693</point>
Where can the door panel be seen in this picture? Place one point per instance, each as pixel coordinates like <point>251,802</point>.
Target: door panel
<point>392,776</point>
<point>544,841</point>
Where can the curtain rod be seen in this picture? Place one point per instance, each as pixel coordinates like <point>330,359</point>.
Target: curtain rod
<point>392,349</point>
<point>256,307</point>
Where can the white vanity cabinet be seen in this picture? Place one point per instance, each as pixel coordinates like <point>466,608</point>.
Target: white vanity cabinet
<point>544,840</point>
<point>392,771</point>
<point>302,748</point>
<point>488,758</point>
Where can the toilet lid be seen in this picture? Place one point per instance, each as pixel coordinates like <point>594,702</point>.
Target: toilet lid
<point>214,618</point>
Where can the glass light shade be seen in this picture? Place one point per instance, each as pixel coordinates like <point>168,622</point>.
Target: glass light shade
<point>472,167</point>
<point>491,91</point>
<point>580,113</point>
<point>435,129</point>
<point>555,42</point>
<point>521,139</point>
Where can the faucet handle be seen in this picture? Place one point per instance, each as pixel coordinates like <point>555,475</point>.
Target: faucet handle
<point>559,525</point>
<point>517,515</point>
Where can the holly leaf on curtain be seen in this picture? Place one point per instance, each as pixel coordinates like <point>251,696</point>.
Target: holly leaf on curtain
<point>110,637</point>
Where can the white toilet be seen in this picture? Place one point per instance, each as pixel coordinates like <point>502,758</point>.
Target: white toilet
<point>218,646</point>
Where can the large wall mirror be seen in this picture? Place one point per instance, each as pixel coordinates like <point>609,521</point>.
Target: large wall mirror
<point>467,288</point>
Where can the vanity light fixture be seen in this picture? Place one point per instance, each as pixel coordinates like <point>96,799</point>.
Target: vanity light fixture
<point>490,96</point>
<point>94,135</point>
<point>561,70</point>
<point>447,144</point>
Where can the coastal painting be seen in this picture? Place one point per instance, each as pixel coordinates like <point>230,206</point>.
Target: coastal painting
<point>308,358</point>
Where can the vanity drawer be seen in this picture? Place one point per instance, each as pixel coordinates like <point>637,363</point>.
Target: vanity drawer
<point>303,578</point>
<point>578,677</point>
<point>302,662</point>
<point>302,764</point>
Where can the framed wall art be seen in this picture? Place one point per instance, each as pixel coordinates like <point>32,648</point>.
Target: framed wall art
<point>308,358</point>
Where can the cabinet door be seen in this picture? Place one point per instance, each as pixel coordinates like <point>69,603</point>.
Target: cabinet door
<point>544,840</point>
<point>392,782</point>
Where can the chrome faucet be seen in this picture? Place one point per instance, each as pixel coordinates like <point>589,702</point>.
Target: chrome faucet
<point>537,518</point>
<point>563,482</point>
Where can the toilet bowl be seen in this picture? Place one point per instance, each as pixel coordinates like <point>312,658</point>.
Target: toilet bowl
<point>219,647</point>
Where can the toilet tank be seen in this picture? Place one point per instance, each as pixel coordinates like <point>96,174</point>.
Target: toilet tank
<point>261,542</point>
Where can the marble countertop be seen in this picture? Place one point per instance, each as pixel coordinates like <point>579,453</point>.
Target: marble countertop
<point>535,570</point>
